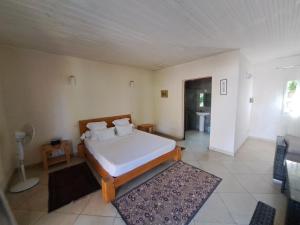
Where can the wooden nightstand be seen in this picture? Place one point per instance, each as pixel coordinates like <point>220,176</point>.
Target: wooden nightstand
<point>147,127</point>
<point>48,149</point>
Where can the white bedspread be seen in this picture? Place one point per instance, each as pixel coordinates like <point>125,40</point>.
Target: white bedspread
<point>122,154</point>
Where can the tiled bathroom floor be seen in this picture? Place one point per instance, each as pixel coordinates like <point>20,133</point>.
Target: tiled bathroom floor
<point>247,178</point>
<point>195,141</point>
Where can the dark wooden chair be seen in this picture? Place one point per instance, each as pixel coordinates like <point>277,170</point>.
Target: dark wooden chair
<point>263,215</point>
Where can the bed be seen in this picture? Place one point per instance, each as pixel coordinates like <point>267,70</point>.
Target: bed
<point>115,167</point>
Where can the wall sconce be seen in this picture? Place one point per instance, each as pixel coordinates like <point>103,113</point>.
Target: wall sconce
<point>131,83</point>
<point>72,80</point>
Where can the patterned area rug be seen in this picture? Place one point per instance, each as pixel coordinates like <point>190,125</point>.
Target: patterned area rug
<point>173,196</point>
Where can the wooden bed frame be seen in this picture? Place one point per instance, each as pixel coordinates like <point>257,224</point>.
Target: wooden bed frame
<point>109,183</point>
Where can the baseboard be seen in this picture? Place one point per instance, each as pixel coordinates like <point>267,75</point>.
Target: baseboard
<point>262,139</point>
<point>211,148</point>
<point>168,136</point>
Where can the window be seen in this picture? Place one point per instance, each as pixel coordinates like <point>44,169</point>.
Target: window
<point>201,100</point>
<point>292,98</point>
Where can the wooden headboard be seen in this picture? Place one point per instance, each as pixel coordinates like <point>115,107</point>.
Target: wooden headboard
<point>108,120</point>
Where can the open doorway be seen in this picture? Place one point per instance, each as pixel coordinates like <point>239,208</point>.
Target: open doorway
<point>197,111</point>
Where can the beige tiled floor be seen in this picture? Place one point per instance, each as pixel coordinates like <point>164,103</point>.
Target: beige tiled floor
<point>247,178</point>
<point>195,139</point>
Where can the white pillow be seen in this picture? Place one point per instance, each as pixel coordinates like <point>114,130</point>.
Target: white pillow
<point>97,125</point>
<point>121,122</point>
<point>104,134</point>
<point>124,130</point>
<point>86,135</point>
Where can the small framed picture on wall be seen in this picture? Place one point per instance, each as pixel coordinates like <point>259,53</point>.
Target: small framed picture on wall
<point>223,87</point>
<point>164,93</point>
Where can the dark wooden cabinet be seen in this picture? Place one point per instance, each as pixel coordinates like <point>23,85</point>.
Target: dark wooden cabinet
<point>278,167</point>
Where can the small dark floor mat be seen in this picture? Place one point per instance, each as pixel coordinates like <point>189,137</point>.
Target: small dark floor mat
<point>70,184</point>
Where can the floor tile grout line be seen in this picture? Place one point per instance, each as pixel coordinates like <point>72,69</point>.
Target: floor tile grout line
<point>83,214</point>
<point>248,193</point>
<point>227,209</point>
<point>39,219</point>
<point>83,208</point>
<point>218,193</point>
<point>238,193</point>
<point>78,215</point>
<point>75,220</point>
<point>251,193</point>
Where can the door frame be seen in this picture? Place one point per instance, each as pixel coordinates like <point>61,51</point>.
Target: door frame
<point>184,102</point>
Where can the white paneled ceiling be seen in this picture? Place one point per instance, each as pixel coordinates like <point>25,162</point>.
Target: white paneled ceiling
<point>152,33</point>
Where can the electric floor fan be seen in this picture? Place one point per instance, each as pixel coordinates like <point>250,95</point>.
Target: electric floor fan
<point>24,137</point>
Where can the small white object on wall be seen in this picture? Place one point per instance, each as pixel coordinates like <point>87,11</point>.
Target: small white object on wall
<point>72,80</point>
<point>131,83</point>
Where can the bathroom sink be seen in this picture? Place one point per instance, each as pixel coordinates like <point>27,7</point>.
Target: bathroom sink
<point>201,119</point>
<point>202,113</point>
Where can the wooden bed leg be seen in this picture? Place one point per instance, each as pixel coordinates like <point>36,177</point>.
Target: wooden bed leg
<point>177,156</point>
<point>81,150</point>
<point>108,189</point>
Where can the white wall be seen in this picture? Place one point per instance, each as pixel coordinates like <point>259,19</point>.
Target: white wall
<point>169,113</point>
<point>6,158</point>
<point>268,119</point>
<point>244,106</point>
<point>36,90</point>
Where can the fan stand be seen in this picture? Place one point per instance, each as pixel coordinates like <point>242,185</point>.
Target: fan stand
<point>26,183</point>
